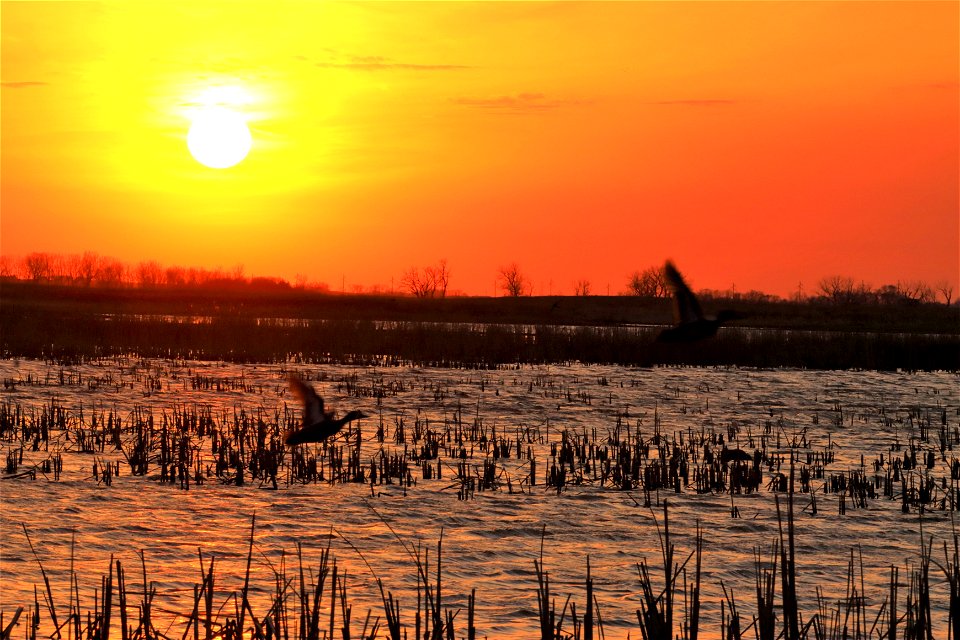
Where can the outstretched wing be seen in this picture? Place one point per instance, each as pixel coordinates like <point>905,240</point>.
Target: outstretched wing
<point>685,305</point>
<point>312,403</point>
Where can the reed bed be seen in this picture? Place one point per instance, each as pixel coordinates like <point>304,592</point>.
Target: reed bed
<point>313,603</point>
<point>467,451</point>
<point>68,336</point>
<point>194,444</point>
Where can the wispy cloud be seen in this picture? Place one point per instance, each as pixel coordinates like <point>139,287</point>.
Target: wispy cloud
<point>697,102</point>
<point>22,85</point>
<point>379,63</point>
<point>519,103</point>
<point>944,85</point>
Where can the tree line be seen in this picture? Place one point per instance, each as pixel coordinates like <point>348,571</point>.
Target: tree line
<point>90,269</point>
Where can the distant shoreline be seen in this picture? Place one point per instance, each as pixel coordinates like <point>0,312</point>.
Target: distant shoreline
<point>69,322</point>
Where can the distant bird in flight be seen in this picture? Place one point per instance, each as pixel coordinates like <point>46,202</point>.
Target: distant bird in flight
<point>317,425</point>
<point>691,325</point>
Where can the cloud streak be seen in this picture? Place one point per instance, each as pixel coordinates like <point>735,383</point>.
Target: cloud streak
<point>697,102</point>
<point>519,103</point>
<point>379,63</point>
<point>22,85</point>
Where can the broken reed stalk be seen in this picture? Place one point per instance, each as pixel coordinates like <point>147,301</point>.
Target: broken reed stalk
<point>952,571</point>
<point>667,549</point>
<point>918,626</point>
<point>588,616</point>
<point>892,615</point>
<point>471,616</point>
<point>766,581</point>
<point>694,620</point>
<point>729,626</point>
<point>46,581</point>
<point>545,613</point>
<point>244,603</point>
<point>650,615</point>
<point>656,612</point>
<point>788,571</point>
<point>437,619</point>
<point>107,600</point>
<point>74,587</point>
<point>391,607</point>
<point>7,631</point>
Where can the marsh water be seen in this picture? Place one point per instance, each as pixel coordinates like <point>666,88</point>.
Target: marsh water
<point>491,537</point>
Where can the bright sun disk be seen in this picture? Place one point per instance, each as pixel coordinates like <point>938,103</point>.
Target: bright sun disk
<point>219,137</point>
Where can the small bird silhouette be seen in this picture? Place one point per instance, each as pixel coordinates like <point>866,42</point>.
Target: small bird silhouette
<point>317,424</point>
<point>691,325</point>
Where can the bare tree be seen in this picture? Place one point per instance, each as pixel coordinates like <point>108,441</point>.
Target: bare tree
<point>112,272</point>
<point>87,268</point>
<point>430,283</point>
<point>512,281</point>
<point>916,291</point>
<point>7,268</point>
<point>149,274</point>
<point>414,282</point>
<point>175,276</point>
<point>38,266</point>
<point>837,288</point>
<point>946,290</point>
<point>441,275</point>
<point>581,288</point>
<point>649,282</point>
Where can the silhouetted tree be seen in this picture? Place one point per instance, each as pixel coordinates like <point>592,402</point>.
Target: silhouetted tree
<point>946,290</point>
<point>581,288</point>
<point>649,282</point>
<point>88,268</point>
<point>111,272</point>
<point>836,287</point>
<point>442,276</point>
<point>150,274</point>
<point>431,283</point>
<point>175,276</point>
<point>512,281</point>
<point>916,291</point>
<point>38,266</point>
<point>842,289</point>
<point>888,294</point>
<point>7,267</point>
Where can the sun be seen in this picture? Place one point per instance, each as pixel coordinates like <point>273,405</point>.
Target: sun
<point>219,137</point>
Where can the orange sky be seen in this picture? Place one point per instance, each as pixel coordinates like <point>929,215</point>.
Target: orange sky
<point>759,145</point>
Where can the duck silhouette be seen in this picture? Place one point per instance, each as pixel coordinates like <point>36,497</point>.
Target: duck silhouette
<point>691,325</point>
<point>317,424</point>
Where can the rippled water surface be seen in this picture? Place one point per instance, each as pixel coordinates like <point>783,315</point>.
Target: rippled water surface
<point>491,540</point>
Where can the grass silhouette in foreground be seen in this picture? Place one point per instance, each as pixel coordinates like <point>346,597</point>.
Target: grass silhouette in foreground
<point>298,608</point>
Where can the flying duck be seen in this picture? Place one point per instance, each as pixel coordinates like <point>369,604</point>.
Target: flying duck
<point>691,325</point>
<point>317,424</point>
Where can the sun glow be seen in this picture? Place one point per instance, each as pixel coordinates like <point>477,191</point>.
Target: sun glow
<point>219,137</point>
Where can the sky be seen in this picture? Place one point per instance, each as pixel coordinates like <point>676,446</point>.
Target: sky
<point>759,145</point>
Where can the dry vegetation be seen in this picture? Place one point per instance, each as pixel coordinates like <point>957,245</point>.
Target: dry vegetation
<point>194,445</point>
<point>75,323</point>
